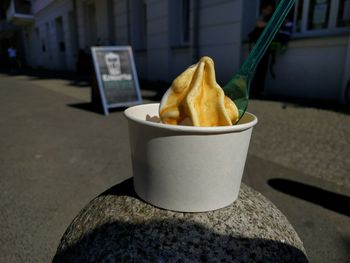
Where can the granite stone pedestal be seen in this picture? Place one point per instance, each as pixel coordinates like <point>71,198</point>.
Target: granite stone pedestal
<point>117,226</point>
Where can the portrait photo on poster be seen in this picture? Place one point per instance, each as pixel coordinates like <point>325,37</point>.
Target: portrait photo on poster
<point>116,76</point>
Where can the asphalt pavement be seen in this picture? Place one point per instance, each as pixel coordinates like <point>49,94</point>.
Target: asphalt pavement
<point>57,154</point>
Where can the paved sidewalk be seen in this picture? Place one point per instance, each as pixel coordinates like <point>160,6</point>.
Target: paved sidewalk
<point>56,156</point>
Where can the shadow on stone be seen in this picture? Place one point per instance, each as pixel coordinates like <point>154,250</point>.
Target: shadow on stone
<point>171,241</point>
<point>116,227</point>
<point>332,201</point>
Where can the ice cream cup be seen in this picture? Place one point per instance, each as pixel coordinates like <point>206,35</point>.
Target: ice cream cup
<point>186,168</point>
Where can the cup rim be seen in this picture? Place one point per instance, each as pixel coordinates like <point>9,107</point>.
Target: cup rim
<point>128,113</point>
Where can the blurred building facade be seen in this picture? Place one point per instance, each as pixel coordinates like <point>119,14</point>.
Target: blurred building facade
<point>169,35</point>
<point>50,40</point>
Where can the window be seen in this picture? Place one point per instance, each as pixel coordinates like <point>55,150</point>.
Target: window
<point>320,17</point>
<point>23,6</point>
<point>110,22</point>
<point>138,22</point>
<point>91,24</point>
<point>185,25</point>
<point>343,18</point>
<point>180,22</point>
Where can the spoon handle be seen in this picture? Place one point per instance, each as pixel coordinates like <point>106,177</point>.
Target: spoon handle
<point>249,66</point>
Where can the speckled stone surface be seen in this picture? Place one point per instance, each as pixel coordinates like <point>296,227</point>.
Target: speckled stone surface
<point>119,227</point>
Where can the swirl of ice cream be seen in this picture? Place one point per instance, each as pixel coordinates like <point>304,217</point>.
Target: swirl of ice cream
<point>195,98</point>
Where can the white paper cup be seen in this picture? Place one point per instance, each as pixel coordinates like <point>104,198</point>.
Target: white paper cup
<point>186,168</point>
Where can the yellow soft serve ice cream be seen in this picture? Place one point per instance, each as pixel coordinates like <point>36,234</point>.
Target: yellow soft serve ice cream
<point>195,98</point>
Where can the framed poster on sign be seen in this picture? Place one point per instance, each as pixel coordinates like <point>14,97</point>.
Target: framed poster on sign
<point>116,76</point>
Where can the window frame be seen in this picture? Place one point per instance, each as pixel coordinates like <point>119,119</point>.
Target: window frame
<point>176,24</point>
<point>304,32</point>
<point>138,24</point>
<point>331,29</point>
<point>183,41</point>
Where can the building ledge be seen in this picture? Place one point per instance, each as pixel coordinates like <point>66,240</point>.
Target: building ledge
<point>19,13</point>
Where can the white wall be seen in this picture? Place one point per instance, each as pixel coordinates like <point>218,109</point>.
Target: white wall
<point>310,68</point>
<point>346,79</point>
<point>219,38</point>
<point>220,35</point>
<point>105,35</point>
<point>38,5</point>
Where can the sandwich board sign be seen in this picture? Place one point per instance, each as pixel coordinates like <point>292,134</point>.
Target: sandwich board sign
<point>116,76</point>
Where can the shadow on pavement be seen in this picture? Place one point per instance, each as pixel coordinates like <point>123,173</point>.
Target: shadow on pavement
<point>332,201</point>
<point>160,87</point>
<point>125,188</point>
<point>76,80</point>
<point>329,105</point>
<point>88,106</point>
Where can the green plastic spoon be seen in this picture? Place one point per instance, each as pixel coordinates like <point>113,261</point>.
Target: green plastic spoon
<point>238,87</point>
